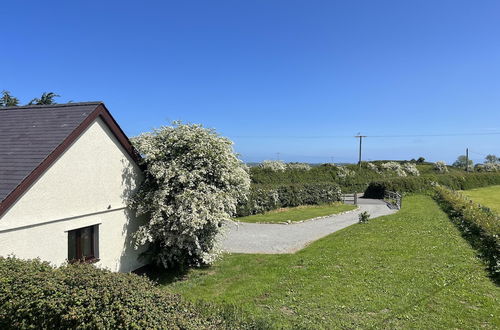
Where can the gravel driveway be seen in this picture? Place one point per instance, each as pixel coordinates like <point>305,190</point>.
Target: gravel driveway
<point>244,237</point>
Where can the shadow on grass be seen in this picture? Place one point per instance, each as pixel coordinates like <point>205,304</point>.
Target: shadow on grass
<point>486,246</point>
<point>164,276</point>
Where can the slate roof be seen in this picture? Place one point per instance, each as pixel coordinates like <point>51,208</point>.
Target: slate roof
<point>29,134</point>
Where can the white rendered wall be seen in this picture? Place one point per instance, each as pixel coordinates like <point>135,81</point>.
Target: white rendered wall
<point>87,185</point>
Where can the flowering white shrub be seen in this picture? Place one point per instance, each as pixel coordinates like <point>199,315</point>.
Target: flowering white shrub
<point>372,167</point>
<point>411,169</point>
<point>193,181</point>
<point>298,166</point>
<point>273,165</point>
<point>440,167</point>
<point>394,168</point>
<point>344,172</point>
<point>487,167</point>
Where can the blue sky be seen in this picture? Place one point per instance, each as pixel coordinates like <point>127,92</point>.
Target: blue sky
<point>295,77</point>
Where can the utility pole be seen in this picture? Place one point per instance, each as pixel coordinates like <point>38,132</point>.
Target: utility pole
<point>277,156</point>
<point>466,159</point>
<point>360,137</point>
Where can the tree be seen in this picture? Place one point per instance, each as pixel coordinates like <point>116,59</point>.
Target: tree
<point>193,182</point>
<point>461,162</point>
<point>491,159</point>
<point>46,98</point>
<point>420,160</point>
<point>8,100</point>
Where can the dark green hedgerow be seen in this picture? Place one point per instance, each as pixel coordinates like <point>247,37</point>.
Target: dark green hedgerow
<point>423,183</point>
<point>264,198</point>
<point>479,225</point>
<point>33,295</point>
<point>357,181</point>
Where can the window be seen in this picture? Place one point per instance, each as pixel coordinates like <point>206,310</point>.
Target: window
<point>83,244</point>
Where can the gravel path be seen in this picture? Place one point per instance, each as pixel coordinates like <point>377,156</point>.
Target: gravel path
<point>244,237</point>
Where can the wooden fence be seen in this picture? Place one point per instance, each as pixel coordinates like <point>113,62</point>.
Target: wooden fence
<point>393,199</point>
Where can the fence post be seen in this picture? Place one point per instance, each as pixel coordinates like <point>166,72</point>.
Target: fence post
<point>355,198</point>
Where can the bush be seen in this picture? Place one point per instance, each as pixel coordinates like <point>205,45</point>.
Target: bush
<point>440,167</point>
<point>364,217</point>
<point>298,166</point>
<point>411,169</point>
<point>479,224</point>
<point>33,295</point>
<point>487,167</point>
<point>273,165</point>
<point>423,183</point>
<point>193,183</point>
<point>350,178</point>
<point>264,198</point>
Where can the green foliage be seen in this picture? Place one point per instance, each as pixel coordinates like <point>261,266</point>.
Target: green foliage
<point>193,182</point>
<point>487,196</point>
<point>364,217</point>
<point>8,100</point>
<point>298,213</point>
<point>33,295</point>
<point>46,98</point>
<point>491,159</point>
<point>350,178</point>
<point>264,198</point>
<point>479,224</point>
<point>377,189</point>
<point>462,162</point>
<point>409,270</point>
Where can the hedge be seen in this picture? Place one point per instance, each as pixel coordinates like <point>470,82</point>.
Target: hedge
<point>479,224</point>
<point>34,295</point>
<point>424,183</point>
<point>264,198</point>
<point>317,174</point>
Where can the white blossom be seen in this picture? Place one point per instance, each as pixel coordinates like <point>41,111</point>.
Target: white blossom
<point>394,168</point>
<point>273,165</point>
<point>343,172</point>
<point>193,183</point>
<point>298,166</point>
<point>440,167</point>
<point>411,169</point>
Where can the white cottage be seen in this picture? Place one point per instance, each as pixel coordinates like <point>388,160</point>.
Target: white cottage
<point>66,171</point>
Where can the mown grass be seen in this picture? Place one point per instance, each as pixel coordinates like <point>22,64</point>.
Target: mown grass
<point>408,270</point>
<point>487,196</point>
<point>298,213</point>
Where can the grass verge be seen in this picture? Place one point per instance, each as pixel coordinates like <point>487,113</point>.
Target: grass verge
<point>487,196</point>
<point>298,213</point>
<point>408,270</point>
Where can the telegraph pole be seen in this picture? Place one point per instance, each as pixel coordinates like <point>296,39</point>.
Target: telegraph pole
<point>467,160</point>
<point>360,137</point>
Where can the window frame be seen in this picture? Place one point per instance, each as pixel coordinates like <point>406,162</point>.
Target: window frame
<point>78,248</point>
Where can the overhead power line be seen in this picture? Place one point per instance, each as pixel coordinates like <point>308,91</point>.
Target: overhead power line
<point>350,136</point>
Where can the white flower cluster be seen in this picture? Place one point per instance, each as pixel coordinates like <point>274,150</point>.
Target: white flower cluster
<point>440,167</point>
<point>193,181</point>
<point>298,166</point>
<point>273,165</point>
<point>411,169</point>
<point>372,167</point>
<point>394,168</point>
<point>488,167</point>
<point>343,172</point>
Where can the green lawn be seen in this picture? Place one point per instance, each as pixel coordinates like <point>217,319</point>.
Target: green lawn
<point>407,270</point>
<point>298,213</point>
<point>487,196</point>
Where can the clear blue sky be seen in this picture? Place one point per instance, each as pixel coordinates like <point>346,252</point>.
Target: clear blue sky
<point>293,77</point>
